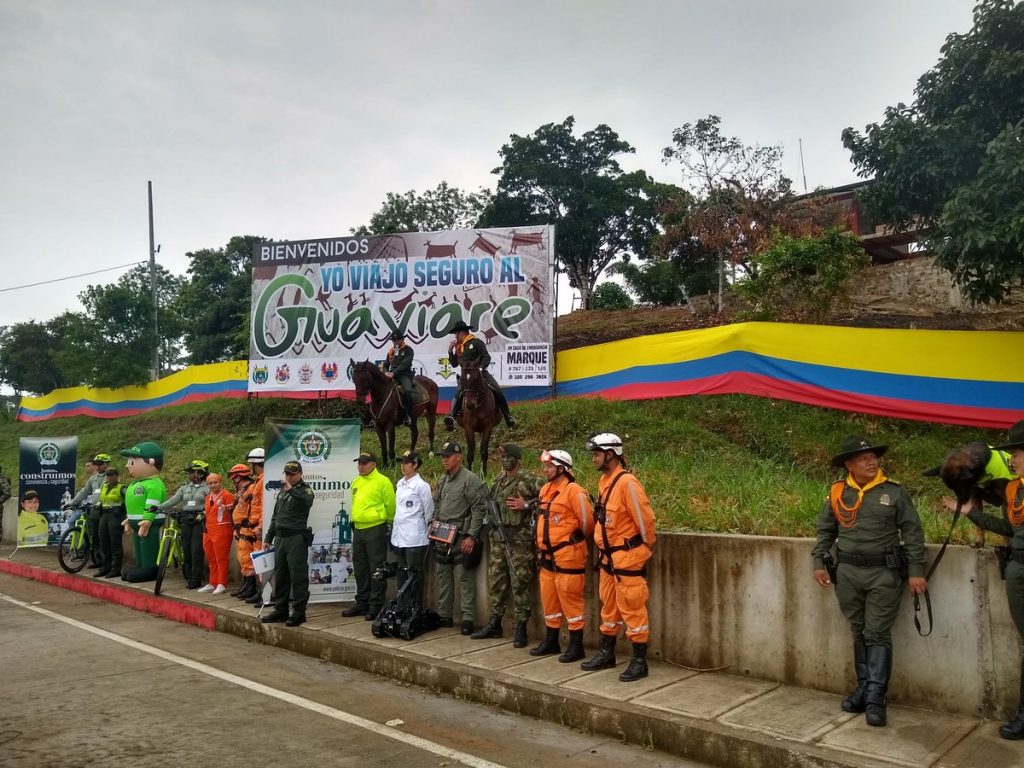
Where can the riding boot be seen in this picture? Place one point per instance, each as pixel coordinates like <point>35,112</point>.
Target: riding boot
<point>519,639</point>
<point>1014,730</point>
<point>879,670</point>
<point>574,651</point>
<point>241,587</point>
<point>503,407</point>
<point>605,656</point>
<point>491,629</point>
<point>637,665</point>
<point>451,419</point>
<point>549,644</point>
<point>407,416</point>
<point>855,700</point>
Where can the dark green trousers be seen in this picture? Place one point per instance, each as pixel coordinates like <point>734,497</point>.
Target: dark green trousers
<point>291,573</point>
<point>411,557</point>
<point>192,549</point>
<point>1015,593</point>
<point>369,550</point>
<point>111,552</point>
<point>870,600</point>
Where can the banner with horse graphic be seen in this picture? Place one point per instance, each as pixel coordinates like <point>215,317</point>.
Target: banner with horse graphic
<point>317,304</point>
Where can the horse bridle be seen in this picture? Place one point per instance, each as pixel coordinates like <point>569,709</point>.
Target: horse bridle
<point>369,400</point>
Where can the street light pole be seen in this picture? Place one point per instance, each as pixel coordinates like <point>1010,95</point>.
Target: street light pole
<point>152,289</point>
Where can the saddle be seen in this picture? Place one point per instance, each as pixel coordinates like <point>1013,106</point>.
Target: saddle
<point>420,395</point>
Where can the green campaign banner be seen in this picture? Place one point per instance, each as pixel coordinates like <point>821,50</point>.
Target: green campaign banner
<point>326,449</point>
<point>47,466</point>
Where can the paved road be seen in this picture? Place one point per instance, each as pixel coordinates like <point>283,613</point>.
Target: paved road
<point>119,688</point>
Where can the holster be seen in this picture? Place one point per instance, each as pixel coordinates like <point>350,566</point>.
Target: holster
<point>831,567</point>
<point>897,559</point>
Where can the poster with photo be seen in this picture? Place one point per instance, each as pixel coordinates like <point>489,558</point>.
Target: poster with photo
<point>47,466</point>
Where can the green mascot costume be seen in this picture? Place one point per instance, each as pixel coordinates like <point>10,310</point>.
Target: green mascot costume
<point>141,500</point>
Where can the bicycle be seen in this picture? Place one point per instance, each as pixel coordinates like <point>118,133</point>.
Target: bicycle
<point>169,552</point>
<point>76,544</point>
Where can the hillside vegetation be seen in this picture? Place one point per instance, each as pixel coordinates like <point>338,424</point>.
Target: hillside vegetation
<point>732,464</point>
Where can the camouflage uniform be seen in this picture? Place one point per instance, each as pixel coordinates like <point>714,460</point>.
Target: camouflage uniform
<point>501,580</point>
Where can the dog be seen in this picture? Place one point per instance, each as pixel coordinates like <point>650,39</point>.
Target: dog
<point>976,474</point>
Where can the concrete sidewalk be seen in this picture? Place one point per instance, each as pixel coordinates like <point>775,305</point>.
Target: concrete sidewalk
<point>712,717</point>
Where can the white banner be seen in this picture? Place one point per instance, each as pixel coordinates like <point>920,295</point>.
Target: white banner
<point>317,304</point>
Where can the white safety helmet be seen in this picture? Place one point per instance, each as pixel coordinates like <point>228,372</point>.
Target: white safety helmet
<point>256,456</point>
<point>606,441</point>
<point>559,458</point>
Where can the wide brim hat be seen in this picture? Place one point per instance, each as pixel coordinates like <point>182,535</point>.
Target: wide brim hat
<point>853,445</point>
<point>460,326</point>
<point>1016,437</point>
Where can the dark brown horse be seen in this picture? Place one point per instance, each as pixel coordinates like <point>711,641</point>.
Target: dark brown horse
<point>480,412</point>
<point>386,409</point>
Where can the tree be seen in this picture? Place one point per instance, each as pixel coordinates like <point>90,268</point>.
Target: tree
<point>656,283</point>
<point>216,300</point>
<point>26,361</point>
<point>436,210</point>
<point>601,213</point>
<point>610,296</point>
<point>802,277</point>
<point>949,165</point>
<point>736,195</point>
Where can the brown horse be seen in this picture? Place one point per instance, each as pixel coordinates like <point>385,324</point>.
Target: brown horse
<point>385,408</point>
<point>480,412</point>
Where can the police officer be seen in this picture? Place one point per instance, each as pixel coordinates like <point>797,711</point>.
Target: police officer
<point>373,511</point>
<point>398,366</point>
<point>623,537</point>
<point>190,501</point>
<point>460,499</point>
<point>287,531</point>
<point>513,494</point>
<point>866,515</point>
<point>95,471</point>
<point>1012,525</point>
<point>467,348</point>
<point>111,508</point>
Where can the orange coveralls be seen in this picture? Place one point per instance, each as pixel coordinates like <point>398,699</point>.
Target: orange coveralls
<point>248,521</point>
<point>563,524</point>
<point>624,537</point>
<point>217,539</point>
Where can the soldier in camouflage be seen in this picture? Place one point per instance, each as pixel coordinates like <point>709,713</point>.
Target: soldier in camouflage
<point>514,493</point>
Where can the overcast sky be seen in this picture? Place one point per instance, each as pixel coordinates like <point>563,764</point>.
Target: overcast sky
<point>293,120</point>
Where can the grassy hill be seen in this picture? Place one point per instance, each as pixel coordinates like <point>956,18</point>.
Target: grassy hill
<point>733,464</point>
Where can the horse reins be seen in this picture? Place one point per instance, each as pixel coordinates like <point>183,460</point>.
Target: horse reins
<point>928,575</point>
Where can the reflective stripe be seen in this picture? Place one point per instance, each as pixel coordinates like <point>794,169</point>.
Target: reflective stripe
<point>637,512</point>
<point>574,618</point>
<point>153,502</point>
<point>584,517</point>
<point>610,625</point>
<point>159,516</point>
<point>641,628</point>
<point>553,615</point>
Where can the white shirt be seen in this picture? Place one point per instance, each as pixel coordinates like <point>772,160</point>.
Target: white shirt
<point>414,506</point>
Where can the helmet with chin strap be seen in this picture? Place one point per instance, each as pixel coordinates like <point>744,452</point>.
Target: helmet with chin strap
<point>557,457</point>
<point>605,441</point>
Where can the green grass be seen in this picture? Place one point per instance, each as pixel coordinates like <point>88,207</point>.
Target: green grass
<point>729,464</point>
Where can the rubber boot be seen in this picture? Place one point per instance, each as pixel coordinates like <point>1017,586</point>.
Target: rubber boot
<point>855,700</point>
<point>491,629</point>
<point>637,665</point>
<point>574,651</point>
<point>248,589</point>
<point>879,670</point>
<point>241,587</point>
<point>1014,730</point>
<point>549,644</point>
<point>519,639</point>
<point>605,656</point>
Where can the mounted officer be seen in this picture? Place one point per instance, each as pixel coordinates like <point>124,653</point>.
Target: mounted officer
<point>467,348</point>
<point>398,366</point>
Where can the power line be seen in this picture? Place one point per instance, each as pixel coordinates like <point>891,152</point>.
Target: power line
<point>69,277</point>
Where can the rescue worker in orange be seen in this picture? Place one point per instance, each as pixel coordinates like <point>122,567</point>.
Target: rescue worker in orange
<point>564,516</point>
<point>245,537</point>
<point>217,538</point>
<point>623,537</point>
<point>256,461</point>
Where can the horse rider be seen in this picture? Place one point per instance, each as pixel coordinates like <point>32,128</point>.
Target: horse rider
<point>398,365</point>
<point>467,348</point>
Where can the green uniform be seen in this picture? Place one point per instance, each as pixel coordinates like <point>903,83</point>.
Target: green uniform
<point>1014,568</point>
<point>505,581</point>
<point>869,594</point>
<point>291,552</point>
<point>111,505</point>
<point>141,499</point>
<point>373,511</point>
<point>191,498</point>
<point>460,498</point>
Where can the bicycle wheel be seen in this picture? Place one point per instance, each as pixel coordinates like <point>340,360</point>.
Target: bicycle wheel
<point>163,556</point>
<point>73,550</point>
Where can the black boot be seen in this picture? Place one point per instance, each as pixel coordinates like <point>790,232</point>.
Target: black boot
<point>574,651</point>
<point>1014,730</point>
<point>605,657</point>
<point>241,587</point>
<point>407,417</point>
<point>491,629</point>
<point>251,589</point>
<point>855,700</point>
<point>637,665</point>
<point>549,644</point>
<point>879,670</point>
<point>519,639</point>
<point>257,596</point>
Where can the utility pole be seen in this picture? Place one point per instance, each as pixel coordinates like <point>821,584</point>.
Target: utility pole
<point>152,289</point>
<point>802,171</point>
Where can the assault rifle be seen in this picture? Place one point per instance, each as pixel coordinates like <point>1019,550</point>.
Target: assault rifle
<point>494,518</point>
